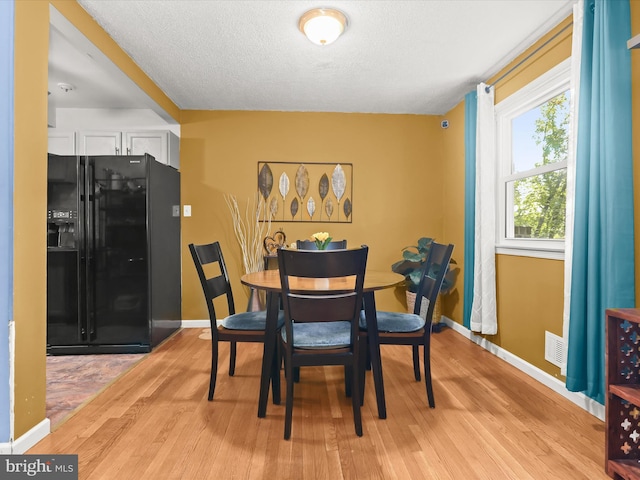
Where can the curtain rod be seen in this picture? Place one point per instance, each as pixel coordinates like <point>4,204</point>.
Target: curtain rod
<point>488,87</point>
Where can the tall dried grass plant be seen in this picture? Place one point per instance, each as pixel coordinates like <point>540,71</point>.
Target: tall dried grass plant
<point>250,230</point>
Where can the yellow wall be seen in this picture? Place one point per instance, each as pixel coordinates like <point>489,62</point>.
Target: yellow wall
<point>30,207</point>
<point>556,51</point>
<point>530,300</point>
<point>397,163</point>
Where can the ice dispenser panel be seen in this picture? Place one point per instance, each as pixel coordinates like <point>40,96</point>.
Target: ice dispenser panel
<point>61,228</point>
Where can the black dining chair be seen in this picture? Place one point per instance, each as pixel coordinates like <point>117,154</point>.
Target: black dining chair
<point>236,327</point>
<point>311,245</point>
<point>321,327</point>
<point>396,328</point>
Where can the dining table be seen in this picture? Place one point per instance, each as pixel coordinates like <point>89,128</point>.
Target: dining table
<point>269,281</point>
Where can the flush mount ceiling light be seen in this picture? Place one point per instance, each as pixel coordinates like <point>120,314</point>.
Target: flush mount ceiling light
<point>323,25</point>
<point>66,87</point>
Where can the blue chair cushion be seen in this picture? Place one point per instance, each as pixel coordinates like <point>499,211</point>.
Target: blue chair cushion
<point>250,320</point>
<point>395,322</point>
<point>320,335</point>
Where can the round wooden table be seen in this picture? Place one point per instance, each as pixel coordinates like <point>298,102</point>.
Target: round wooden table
<point>269,281</point>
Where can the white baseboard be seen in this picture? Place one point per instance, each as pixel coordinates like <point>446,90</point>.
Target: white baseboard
<point>195,324</point>
<point>28,440</point>
<point>584,402</point>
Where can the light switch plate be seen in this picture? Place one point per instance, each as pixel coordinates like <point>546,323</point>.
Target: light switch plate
<point>187,210</point>
<point>175,211</point>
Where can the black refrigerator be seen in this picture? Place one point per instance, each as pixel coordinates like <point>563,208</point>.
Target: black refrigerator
<point>113,254</point>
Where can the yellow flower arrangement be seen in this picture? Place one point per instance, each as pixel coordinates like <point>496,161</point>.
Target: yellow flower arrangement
<point>322,239</point>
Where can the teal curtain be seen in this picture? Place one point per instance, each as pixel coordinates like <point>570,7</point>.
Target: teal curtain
<point>603,265</point>
<point>470,120</point>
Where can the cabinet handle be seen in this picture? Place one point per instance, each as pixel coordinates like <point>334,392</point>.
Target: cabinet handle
<point>128,151</point>
<point>117,151</point>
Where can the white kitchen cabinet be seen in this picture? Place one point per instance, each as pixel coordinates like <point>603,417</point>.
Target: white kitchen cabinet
<point>100,143</point>
<point>62,143</point>
<point>163,145</point>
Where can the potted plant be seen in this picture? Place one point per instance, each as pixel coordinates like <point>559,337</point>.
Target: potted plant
<point>413,259</point>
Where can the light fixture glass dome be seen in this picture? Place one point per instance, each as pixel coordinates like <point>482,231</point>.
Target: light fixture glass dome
<point>323,25</point>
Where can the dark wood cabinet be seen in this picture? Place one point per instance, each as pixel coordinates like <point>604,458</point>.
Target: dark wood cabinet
<point>622,436</point>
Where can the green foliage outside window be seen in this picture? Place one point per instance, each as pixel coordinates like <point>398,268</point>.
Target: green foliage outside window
<point>540,200</point>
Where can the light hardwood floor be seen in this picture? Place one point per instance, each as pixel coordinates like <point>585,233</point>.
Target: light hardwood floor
<point>490,422</point>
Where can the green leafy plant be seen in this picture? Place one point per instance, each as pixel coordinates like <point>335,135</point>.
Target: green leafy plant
<point>413,259</point>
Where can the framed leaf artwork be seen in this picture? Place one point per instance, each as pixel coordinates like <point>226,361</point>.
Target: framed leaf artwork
<point>307,192</point>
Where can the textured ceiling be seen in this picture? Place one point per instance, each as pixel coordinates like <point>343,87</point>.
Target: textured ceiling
<point>398,56</point>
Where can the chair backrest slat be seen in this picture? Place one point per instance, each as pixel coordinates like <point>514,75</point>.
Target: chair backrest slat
<point>314,263</point>
<point>311,245</point>
<point>433,273</point>
<point>323,308</point>
<point>217,286</point>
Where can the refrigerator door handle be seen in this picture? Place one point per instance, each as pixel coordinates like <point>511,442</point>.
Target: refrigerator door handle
<point>82,246</point>
<point>90,185</point>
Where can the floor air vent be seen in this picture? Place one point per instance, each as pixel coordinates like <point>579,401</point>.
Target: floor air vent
<point>554,350</point>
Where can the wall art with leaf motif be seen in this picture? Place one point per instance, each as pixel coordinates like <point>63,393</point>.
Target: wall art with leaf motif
<point>307,192</point>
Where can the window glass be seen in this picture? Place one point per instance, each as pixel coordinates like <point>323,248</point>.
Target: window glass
<point>540,136</point>
<point>539,205</point>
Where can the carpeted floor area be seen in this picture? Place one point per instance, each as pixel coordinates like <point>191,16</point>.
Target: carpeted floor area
<point>73,380</point>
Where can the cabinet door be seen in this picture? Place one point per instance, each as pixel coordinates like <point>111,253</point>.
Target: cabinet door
<point>153,143</point>
<point>62,143</point>
<point>174,150</point>
<point>100,143</point>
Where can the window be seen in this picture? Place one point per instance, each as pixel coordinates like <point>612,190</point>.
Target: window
<point>532,132</point>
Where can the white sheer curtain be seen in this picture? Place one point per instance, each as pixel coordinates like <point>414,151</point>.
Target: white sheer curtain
<point>483,310</point>
<point>576,56</point>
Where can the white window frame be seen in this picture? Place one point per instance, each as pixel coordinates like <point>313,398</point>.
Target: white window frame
<point>544,88</point>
